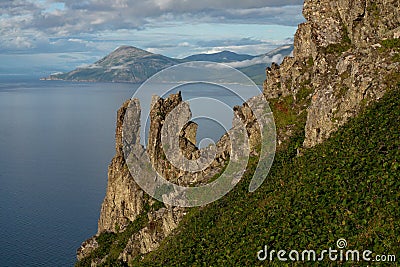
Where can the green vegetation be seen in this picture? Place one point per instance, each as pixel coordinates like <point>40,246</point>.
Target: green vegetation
<point>337,48</point>
<point>341,47</point>
<point>373,9</point>
<point>310,62</point>
<point>391,44</point>
<point>396,57</point>
<point>345,36</point>
<point>284,112</point>
<point>112,244</point>
<point>217,175</point>
<point>303,95</point>
<point>289,111</point>
<point>347,187</point>
<point>342,91</point>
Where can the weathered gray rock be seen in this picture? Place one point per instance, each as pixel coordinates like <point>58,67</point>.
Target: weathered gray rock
<point>125,200</point>
<point>161,224</point>
<point>87,247</point>
<point>337,54</point>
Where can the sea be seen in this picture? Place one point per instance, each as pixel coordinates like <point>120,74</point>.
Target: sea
<point>56,141</point>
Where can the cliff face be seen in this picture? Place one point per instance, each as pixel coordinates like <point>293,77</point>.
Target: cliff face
<point>346,55</point>
<point>340,61</point>
<point>125,201</point>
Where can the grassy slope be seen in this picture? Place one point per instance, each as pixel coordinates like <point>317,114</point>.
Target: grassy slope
<point>348,187</point>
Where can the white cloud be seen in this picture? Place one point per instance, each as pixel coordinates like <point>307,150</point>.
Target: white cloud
<point>80,17</point>
<point>258,60</point>
<point>75,26</point>
<point>184,44</point>
<point>154,50</point>
<point>22,42</point>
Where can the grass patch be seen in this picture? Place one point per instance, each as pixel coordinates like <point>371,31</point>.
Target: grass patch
<point>283,110</point>
<point>341,47</point>
<point>310,62</point>
<point>391,43</point>
<point>373,9</point>
<point>303,95</point>
<point>396,57</point>
<point>342,91</point>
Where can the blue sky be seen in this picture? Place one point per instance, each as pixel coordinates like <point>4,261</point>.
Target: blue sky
<point>44,36</point>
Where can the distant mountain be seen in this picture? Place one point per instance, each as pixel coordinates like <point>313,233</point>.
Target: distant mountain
<point>255,68</point>
<point>255,72</point>
<point>125,64</point>
<point>220,57</point>
<point>131,64</point>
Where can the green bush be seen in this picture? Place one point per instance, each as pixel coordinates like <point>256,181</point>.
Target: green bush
<point>391,43</point>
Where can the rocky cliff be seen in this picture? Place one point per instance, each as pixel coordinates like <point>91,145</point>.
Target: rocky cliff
<point>125,202</point>
<point>346,55</point>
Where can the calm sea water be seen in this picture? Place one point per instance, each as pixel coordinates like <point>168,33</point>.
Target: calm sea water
<point>56,141</point>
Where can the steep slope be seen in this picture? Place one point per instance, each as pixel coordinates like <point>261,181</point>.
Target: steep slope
<point>348,187</point>
<point>346,58</point>
<point>125,64</point>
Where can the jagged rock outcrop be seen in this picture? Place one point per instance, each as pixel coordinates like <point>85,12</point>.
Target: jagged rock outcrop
<point>339,60</point>
<point>125,201</point>
<point>162,223</point>
<point>87,247</point>
<point>160,109</point>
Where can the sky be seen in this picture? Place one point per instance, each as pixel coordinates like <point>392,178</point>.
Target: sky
<point>39,37</point>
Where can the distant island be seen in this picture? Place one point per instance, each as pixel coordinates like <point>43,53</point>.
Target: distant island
<point>131,64</point>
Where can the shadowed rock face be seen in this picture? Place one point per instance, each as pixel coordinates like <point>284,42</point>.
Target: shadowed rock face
<point>339,59</point>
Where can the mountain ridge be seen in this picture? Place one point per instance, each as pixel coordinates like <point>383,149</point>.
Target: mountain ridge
<point>132,64</point>
<point>124,64</point>
<point>220,57</point>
